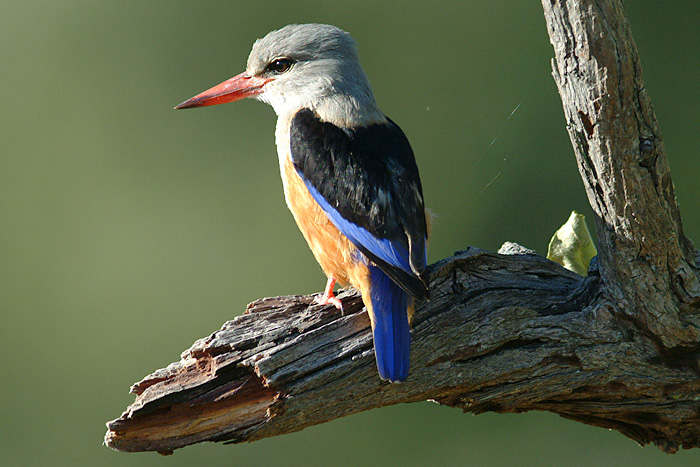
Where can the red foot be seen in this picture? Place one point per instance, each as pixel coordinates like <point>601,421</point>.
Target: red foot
<point>328,298</point>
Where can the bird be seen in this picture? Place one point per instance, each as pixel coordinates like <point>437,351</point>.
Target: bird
<point>349,176</point>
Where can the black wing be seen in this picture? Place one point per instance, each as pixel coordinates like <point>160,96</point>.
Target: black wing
<point>366,180</point>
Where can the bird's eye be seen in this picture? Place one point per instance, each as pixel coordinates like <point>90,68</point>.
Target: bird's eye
<point>280,65</point>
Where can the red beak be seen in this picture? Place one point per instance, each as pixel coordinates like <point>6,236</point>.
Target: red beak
<point>231,90</point>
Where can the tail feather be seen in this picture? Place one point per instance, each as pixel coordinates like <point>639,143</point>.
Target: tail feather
<point>392,337</point>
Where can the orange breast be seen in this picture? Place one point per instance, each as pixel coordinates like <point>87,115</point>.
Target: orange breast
<point>333,251</point>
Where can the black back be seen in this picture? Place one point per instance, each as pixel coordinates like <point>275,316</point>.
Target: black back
<point>369,175</point>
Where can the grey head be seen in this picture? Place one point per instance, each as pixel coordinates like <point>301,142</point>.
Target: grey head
<point>314,66</point>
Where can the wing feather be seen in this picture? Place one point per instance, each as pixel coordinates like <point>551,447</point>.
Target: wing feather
<point>366,181</point>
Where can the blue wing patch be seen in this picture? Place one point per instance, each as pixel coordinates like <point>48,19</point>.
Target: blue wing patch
<point>391,256</point>
<point>366,181</point>
<point>390,252</point>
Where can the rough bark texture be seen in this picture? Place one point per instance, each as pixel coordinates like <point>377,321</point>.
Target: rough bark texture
<point>502,332</point>
<point>621,157</point>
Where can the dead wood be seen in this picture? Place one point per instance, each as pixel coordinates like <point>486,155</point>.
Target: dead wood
<point>502,332</point>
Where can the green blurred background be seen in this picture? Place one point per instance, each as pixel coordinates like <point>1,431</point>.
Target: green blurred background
<point>128,230</point>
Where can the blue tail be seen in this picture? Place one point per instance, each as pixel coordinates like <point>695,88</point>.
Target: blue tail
<point>392,337</point>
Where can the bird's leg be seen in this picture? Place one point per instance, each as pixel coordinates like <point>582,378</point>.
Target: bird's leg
<point>328,297</point>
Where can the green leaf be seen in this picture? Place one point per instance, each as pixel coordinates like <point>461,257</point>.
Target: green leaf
<point>572,245</point>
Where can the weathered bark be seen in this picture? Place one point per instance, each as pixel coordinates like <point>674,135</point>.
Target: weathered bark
<point>647,264</point>
<point>504,333</point>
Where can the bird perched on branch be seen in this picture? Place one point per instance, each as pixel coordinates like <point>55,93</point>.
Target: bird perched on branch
<point>350,178</point>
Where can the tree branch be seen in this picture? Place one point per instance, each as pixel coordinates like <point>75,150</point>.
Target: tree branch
<point>505,333</point>
<point>622,160</point>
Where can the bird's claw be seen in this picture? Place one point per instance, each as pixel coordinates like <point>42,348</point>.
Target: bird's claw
<point>329,299</point>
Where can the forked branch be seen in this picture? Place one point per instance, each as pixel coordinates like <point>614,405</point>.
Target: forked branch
<point>502,332</point>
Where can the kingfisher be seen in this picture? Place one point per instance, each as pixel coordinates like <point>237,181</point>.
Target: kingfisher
<point>349,175</point>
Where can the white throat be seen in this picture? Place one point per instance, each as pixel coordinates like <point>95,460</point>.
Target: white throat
<point>342,110</point>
